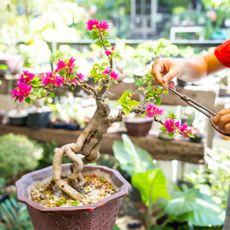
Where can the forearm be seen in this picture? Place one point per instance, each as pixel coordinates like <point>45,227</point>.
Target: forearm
<point>212,63</point>
<point>198,67</point>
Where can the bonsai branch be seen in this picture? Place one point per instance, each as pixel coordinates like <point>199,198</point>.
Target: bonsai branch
<point>87,88</point>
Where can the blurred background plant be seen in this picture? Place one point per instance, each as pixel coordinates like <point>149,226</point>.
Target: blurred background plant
<point>188,207</point>
<point>213,178</point>
<point>18,154</point>
<point>13,215</point>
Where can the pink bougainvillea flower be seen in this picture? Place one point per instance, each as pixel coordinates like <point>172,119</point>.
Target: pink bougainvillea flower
<point>183,127</point>
<point>71,65</point>
<point>21,91</point>
<point>108,52</point>
<point>170,126</point>
<point>71,62</point>
<point>92,23</point>
<point>103,25</point>
<point>114,75</point>
<point>153,110</point>
<point>26,77</point>
<point>171,84</point>
<point>59,80</point>
<point>67,65</point>
<point>185,130</point>
<point>60,65</point>
<point>106,71</point>
<point>50,79</point>
<point>80,76</point>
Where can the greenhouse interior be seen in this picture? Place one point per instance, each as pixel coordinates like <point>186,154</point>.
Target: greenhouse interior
<point>114,115</point>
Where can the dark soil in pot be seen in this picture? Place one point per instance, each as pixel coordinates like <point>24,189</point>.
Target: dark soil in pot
<point>138,126</point>
<point>38,119</point>
<point>98,216</point>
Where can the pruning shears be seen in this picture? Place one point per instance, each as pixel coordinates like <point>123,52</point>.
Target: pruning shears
<point>207,112</point>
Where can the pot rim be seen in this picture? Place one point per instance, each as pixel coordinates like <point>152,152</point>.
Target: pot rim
<point>123,190</point>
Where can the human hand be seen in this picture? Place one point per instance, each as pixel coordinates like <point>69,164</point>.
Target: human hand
<point>222,120</point>
<point>164,70</point>
<point>192,69</point>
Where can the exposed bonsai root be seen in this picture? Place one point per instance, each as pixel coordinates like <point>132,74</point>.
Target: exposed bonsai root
<point>87,145</point>
<point>57,169</point>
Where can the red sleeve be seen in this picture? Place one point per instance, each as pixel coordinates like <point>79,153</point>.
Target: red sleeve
<point>222,53</point>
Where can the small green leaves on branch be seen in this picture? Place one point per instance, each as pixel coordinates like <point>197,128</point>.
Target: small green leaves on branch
<point>127,103</point>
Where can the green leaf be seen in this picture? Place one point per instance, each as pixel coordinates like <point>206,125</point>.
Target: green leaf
<point>132,159</point>
<point>99,43</point>
<point>52,94</point>
<point>163,129</point>
<point>151,185</point>
<point>124,97</point>
<point>195,208</point>
<point>127,103</point>
<point>171,115</point>
<point>157,100</point>
<point>3,67</point>
<point>95,34</point>
<point>165,92</point>
<point>36,82</point>
<point>171,134</point>
<point>115,227</point>
<point>191,135</point>
<point>106,43</point>
<point>132,104</point>
<point>28,100</point>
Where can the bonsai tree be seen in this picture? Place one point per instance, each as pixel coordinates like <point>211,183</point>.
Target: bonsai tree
<point>31,87</point>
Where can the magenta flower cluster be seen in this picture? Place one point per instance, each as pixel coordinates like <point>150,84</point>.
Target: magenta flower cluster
<point>170,125</point>
<point>23,87</point>
<point>153,110</point>
<point>113,74</point>
<point>175,126</point>
<point>95,24</point>
<point>57,78</point>
<point>51,79</point>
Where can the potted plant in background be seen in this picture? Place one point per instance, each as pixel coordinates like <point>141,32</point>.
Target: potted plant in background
<point>66,196</point>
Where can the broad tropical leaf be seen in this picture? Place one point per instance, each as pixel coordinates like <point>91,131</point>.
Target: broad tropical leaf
<point>132,159</point>
<point>152,185</point>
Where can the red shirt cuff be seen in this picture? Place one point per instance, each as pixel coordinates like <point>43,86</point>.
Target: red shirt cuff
<point>222,53</point>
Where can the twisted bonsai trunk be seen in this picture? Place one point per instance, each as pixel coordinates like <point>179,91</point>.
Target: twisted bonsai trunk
<point>85,150</point>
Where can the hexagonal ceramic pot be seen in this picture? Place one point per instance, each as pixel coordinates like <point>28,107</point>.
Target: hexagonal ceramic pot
<point>99,216</point>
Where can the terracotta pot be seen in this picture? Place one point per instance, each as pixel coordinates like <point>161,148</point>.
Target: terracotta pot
<point>99,216</point>
<point>138,126</point>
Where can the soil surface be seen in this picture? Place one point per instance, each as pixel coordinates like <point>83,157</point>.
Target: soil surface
<point>94,189</point>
